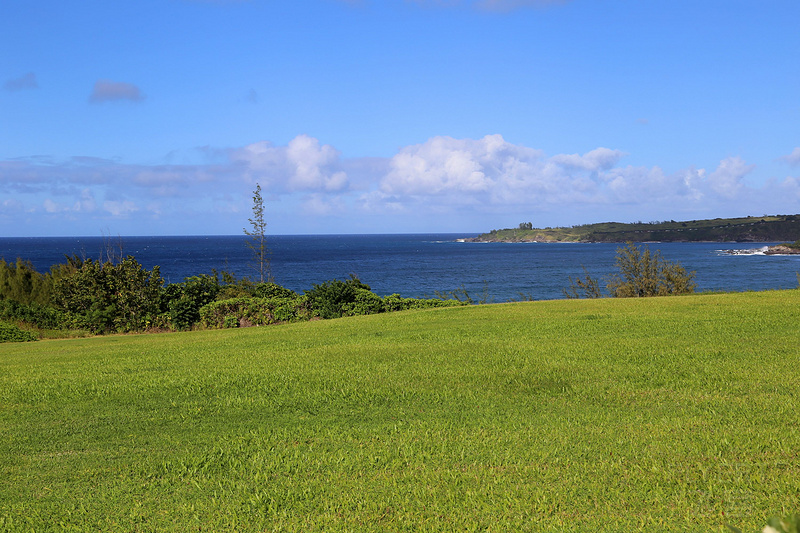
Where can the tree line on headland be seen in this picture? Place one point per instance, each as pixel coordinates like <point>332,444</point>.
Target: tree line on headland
<point>746,229</point>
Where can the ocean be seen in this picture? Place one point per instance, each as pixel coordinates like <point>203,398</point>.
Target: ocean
<point>416,265</point>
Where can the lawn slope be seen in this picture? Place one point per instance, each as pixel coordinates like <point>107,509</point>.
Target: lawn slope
<point>671,414</point>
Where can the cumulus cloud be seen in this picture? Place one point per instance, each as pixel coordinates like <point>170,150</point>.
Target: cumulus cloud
<point>445,177</point>
<point>303,165</point>
<point>493,174</point>
<point>27,81</point>
<point>593,161</point>
<point>444,165</point>
<point>110,91</point>
<point>726,180</point>
<point>794,158</point>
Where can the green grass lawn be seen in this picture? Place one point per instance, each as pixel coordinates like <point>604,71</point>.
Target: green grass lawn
<point>657,414</point>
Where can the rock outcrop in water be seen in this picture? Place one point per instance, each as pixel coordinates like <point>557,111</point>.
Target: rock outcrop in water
<point>782,249</point>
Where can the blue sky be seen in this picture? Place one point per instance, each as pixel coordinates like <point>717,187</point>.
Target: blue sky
<point>158,117</point>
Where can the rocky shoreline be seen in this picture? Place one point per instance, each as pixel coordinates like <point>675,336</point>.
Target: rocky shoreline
<point>782,249</point>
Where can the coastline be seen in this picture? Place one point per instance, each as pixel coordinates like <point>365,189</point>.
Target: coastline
<point>782,249</point>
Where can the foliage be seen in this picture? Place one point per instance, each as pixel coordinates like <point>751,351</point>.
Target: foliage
<point>108,297</point>
<point>671,414</point>
<point>642,273</point>
<point>272,290</point>
<point>589,287</point>
<point>184,300</point>
<point>752,229</point>
<point>258,238</point>
<point>365,302</point>
<point>462,295</point>
<point>395,302</point>
<point>22,283</point>
<point>12,333</point>
<point>254,312</point>
<point>33,314</point>
<point>335,298</point>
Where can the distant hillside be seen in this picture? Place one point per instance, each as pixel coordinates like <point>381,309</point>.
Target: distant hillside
<point>747,229</point>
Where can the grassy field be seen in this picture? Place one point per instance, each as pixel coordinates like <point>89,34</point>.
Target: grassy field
<point>657,414</point>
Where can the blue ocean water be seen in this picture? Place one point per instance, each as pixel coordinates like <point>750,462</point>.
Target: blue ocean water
<point>415,265</point>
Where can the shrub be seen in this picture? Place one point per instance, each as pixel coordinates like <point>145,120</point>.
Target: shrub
<point>395,302</point>
<point>110,297</point>
<point>366,302</point>
<point>254,311</point>
<point>273,290</point>
<point>588,286</point>
<point>33,314</point>
<point>183,300</point>
<point>20,282</point>
<point>642,273</point>
<point>12,333</point>
<point>333,299</point>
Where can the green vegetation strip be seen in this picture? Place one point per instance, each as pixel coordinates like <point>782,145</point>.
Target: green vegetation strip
<point>746,229</point>
<point>595,415</point>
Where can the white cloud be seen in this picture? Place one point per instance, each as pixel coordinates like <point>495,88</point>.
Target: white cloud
<point>120,208</point>
<point>726,180</point>
<point>303,165</point>
<point>51,207</point>
<point>794,158</point>
<point>443,178</point>
<point>593,161</point>
<point>86,203</point>
<point>318,205</point>
<point>11,205</point>
<point>109,91</point>
<point>444,165</point>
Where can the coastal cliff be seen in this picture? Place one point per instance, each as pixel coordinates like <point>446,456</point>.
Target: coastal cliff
<point>776,228</point>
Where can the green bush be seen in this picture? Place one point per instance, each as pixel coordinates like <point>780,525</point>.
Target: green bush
<point>254,311</point>
<point>395,302</point>
<point>34,314</point>
<point>183,301</point>
<point>642,273</point>
<point>335,298</point>
<point>366,302</point>
<point>12,333</point>
<point>20,282</point>
<point>108,297</point>
<point>273,290</point>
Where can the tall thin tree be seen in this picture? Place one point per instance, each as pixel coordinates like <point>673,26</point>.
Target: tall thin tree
<point>258,237</point>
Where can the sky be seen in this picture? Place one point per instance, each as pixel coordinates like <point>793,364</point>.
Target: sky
<point>160,117</point>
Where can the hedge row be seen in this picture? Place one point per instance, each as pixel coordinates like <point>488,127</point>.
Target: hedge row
<point>241,312</point>
<point>11,333</point>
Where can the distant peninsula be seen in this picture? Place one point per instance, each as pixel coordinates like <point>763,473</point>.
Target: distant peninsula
<point>775,228</point>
